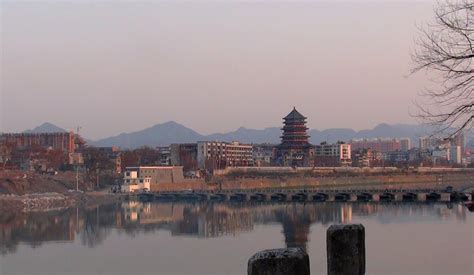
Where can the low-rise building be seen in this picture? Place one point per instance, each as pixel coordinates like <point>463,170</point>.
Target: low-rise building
<point>263,154</point>
<point>136,178</point>
<point>132,182</point>
<point>396,158</point>
<point>366,158</point>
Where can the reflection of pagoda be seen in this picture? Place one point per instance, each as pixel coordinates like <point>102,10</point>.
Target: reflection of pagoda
<point>295,149</point>
<point>296,229</point>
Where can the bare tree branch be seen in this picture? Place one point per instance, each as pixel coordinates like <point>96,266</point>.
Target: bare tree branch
<point>445,50</point>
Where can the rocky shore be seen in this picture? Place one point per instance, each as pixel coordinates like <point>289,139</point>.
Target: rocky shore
<point>29,191</point>
<point>53,201</point>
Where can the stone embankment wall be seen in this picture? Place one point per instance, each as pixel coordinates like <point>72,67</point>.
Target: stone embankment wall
<point>271,171</point>
<point>460,180</point>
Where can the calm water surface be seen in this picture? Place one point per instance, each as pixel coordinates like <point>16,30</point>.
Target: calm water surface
<point>180,238</point>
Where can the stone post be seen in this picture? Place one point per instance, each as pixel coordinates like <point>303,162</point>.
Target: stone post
<point>346,249</point>
<point>285,261</point>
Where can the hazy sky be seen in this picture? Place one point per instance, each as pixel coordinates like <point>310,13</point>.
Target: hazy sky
<point>120,67</point>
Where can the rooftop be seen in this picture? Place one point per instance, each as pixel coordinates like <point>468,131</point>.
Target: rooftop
<point>294,115</point>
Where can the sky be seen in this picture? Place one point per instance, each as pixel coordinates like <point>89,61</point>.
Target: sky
<point>211,66</point>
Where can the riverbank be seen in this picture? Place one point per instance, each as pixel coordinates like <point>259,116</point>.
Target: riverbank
<point>50,201</point>
<point>29,191</point>
<point>25,192</point>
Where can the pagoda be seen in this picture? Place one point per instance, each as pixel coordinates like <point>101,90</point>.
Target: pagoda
<point>295,149</point>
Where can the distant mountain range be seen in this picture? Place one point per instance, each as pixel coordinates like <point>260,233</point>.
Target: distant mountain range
<point>171,132</point>
<point>46,128</point>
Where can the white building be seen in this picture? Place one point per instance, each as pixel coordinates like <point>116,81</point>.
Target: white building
<point>455,155</point>
<point>132,182</point>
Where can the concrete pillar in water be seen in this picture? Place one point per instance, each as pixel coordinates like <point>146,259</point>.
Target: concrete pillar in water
<point>285,261</point>
<point>346,249</point>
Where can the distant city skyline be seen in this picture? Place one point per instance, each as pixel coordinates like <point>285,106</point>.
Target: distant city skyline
<point>213,67</point>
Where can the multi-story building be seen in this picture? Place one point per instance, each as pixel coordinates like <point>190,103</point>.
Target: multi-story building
<point>239,154</point>
<point>113,154</point>
<point>396,158</point>
<point>217,155</point>
<point>455,155</point>
<point>431,143</point>
<point>184,154</point>
<point>366,158</point>
<point>338,154</point>
<point>295,149</point>
<point>405,144</point>
<point>132,181</point>
<point>458,140</point>
<point>382,145</point>
<point>424,143</point>
<point>440,156</point>
<point>64,141</point>
<point>164,155</point>
<point>263,154</point>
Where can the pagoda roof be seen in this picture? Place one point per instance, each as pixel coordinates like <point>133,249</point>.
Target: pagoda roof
<point>294,115</point>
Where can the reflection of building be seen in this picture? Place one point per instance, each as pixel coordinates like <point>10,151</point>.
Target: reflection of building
<point>213,221</point>
<point>346,213</point>
<point>92,226</point>
<point>295,149</point>
<point>151,213</point>
<point>331,155</point>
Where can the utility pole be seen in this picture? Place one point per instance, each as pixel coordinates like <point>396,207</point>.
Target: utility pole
<point>97,178</point>
<point>77,177</point>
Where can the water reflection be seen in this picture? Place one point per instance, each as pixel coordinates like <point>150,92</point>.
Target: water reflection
<point>203,220</point>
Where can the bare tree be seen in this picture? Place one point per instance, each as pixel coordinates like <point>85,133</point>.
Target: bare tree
<point>445,50</point>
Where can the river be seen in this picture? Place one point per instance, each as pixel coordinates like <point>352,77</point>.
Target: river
<point>218,238</point>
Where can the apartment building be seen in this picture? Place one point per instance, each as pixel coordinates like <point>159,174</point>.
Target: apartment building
<point>218,155</point>
<point>338,154</point>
